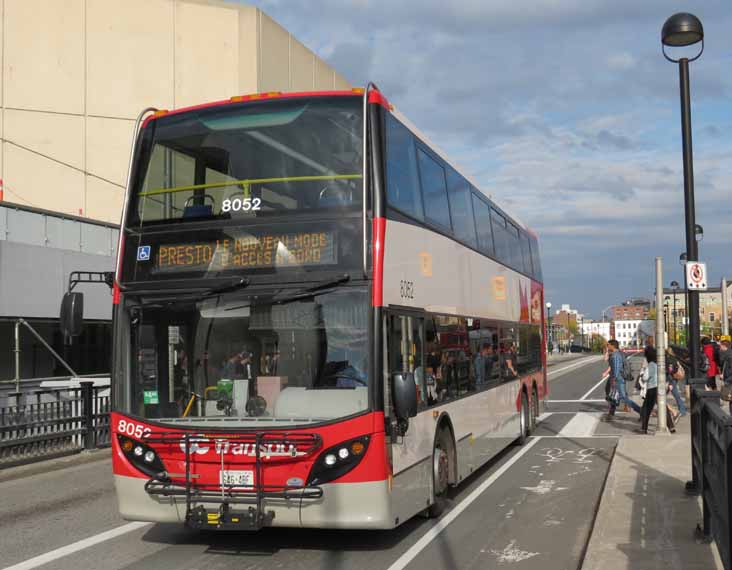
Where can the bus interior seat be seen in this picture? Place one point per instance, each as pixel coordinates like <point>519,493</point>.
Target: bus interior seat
<point>191,210</point>
<point>298,402</point>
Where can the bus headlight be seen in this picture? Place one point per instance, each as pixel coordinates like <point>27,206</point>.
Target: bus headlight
<point>338,460</point>
<point>142,456</point>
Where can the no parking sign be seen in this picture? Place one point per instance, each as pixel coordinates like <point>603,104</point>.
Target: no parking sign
<point>696,275</point>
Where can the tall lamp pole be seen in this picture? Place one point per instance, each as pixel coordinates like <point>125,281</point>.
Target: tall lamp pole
<point>682,30</point>
<point>682,262</point>
<point>548,324</point>
<point>675,287</point>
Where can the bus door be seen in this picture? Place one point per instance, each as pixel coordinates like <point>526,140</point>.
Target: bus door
<point>411,450</point>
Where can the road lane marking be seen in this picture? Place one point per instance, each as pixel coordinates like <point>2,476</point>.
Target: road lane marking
<point>454,513</point>
<point>595,387</point>
<point>77,546</point>
<point>598,436</point>
<point>581,425</point>
<point>574,402</point>
<point>582,362</point>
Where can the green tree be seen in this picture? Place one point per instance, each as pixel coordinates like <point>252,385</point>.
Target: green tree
<point>597,343</point>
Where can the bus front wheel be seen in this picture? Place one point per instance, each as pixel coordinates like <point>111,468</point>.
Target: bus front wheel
<point>440,473</point>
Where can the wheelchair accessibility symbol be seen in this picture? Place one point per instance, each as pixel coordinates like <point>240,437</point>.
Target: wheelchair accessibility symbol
<point>143,253</point>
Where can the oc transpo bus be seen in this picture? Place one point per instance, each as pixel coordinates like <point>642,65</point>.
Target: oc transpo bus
<point>318,321</point>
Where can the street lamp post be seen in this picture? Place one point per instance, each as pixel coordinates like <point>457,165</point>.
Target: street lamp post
<point>548,324</point>
<point>682,262</point>
<point>682,30</point>
<point>675,286</point>
<point>582,333</point>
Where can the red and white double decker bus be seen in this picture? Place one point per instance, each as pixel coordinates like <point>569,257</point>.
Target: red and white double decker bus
<point>319,322</point>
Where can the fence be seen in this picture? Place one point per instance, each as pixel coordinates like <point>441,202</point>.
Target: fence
<point>51,423</point>
<point>712,463</point>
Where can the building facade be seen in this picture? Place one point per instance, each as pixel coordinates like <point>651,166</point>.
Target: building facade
<point>710,312</point>
<point>599,328</point>
<point>637,309</point>
<point>627,333</point>
<point>75,75</point>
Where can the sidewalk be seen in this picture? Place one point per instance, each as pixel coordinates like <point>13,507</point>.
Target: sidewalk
<point>645,520</point>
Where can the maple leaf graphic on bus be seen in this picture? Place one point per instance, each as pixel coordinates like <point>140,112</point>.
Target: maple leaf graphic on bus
<point>524,296</point>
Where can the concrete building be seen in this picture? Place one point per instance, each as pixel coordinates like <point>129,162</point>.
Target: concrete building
<point>75,74</point>
<point>628,333</point>
<point>600,328</point>
<point>631,309</point>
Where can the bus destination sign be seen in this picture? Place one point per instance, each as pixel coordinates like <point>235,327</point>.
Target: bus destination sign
<point>248,252</point>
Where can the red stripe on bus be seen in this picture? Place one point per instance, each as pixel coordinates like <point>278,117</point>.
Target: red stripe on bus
<point>253,97</point>
<point>375,96</point>
<point>115,294</point>
<point>379,237</point>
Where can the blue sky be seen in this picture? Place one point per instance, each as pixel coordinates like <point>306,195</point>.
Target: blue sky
<point>565,111</point>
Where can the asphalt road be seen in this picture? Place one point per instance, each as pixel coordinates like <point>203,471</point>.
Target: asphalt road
<point>531,508</point>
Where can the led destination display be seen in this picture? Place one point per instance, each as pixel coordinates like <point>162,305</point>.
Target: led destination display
<point>249,252</point>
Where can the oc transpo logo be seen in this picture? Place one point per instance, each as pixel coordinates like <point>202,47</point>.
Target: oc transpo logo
<point>201,445</point>
<point>195,445</point>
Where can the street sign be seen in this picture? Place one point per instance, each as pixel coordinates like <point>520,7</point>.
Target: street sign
<point>696,275</point>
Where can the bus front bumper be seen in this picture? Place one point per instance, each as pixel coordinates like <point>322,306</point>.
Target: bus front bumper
<point>342,505</point>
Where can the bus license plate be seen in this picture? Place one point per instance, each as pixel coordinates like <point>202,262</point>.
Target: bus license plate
<point>237,478</point>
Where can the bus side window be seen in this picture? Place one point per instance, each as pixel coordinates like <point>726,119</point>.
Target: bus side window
<point>406,349</point>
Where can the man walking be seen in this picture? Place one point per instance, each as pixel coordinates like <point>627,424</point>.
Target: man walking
<point>725,363</point>
<point>617,379</point>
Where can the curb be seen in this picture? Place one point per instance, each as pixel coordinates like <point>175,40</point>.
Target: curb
<point>50,465</point>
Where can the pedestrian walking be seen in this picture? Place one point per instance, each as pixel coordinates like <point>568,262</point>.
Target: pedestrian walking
<point>675,373</point>
<point>616,380</point>
<point>652,392</point>
<point>725,361</point>
<point>708,365</point>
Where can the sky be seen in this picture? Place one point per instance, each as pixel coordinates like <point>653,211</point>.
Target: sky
<point>565,111</point>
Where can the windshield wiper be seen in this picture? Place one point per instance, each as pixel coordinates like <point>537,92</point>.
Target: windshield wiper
<point>302,293</point>
<point>308,291</point>
<point>196,293</point>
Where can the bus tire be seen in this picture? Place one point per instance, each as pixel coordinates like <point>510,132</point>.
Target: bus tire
<point>524,419</point>
<point>534,408</point>
<point>440,473</point>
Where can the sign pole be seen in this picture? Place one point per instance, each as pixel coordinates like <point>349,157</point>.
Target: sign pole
<point>660,352</point>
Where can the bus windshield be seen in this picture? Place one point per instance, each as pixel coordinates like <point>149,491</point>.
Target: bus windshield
<point>249,160</point>
<point>249,361</point>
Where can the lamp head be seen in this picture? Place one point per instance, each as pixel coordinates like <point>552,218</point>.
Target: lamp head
<point>674,284</point>
<point>548,305</point>
<point>681,30</point>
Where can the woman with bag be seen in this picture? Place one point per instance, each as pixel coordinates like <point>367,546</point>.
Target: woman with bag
<point>675,373</point>
<point>652,393</point>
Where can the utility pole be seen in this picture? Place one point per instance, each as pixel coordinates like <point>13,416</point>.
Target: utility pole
<point>725,321</point>
<point>660,351</point>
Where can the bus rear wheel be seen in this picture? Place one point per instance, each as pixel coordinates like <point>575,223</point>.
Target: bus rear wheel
<point>524,419</point>
<point>440,473</point>
<point>534,409</point>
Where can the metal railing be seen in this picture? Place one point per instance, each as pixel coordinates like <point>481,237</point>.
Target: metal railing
<point>711,455</point>
<point>53,423</point>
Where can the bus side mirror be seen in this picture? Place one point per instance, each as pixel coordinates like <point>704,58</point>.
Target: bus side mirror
<point>72,314</point>
<point>404,394</point>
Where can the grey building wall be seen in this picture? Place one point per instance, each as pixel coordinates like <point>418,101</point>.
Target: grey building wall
<point>33,280</point>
